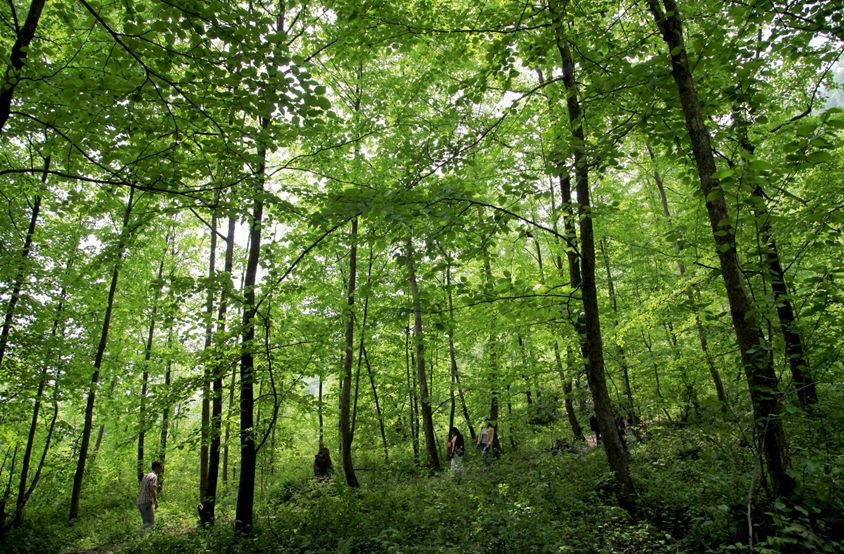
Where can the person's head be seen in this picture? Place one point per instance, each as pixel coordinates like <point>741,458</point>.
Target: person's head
<point>454,432</point>
<point>157,466</point>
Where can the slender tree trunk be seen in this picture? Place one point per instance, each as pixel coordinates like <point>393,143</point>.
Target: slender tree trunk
<point>424,397</point>
<point>23,496</point>
<point>377,406</point>
<point>362,344</point>
<point>98,361</point>
<point>17,59</point>
<point>206,371</point>
<point>628,390</point>
<point>147,357</point>
<point>613,446</point>
<point>756,359</point>
<point>794,352</point>
<point>348,360</point>
<point>209,502</point>
<point>453,357</point>
<point>21,273</point>
<point>165,416</point>
<point>694,299</point>
<point>411,395</point>
<point>576,430</point>
<point>246,483</point>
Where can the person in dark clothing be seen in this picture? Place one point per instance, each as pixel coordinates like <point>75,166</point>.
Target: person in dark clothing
<point>593,424</point>
<point>456,448</point>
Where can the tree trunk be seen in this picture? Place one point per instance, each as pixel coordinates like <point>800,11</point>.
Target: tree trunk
<point>694,299</point>
<point>756,359</point>
<point>576,430</point>
<point>613,446</point>
<point>209,502</point>
<point>246,483</point>
<point>628,390</point>
<point>424,397</point>
<point>377,406</point>
<point>23,495</point>
<point>16,62</point>
<point>147,357</point>
<point>206,370</point>
<point>804,385</point>
<point>98,361</point>
<point>348,360</point>
<point>411,396</point>
<point>21,273</point>
<point>453,357</point>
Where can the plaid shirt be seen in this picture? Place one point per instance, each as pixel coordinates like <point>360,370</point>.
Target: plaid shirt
<point>148,485</point>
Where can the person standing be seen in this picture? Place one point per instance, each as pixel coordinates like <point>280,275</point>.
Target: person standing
<point>456,447</point>
<point>485,437</point>
<point>148,495</point>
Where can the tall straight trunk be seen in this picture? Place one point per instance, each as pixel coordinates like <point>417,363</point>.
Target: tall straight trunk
<point>411,396</point>
<point>33,426</point>
<point>98,362</point>
<point>694,299</point>
<point>348,360</point>
<point>21,273</point>
<point>755,354</point>
<point>209,501</point>
<point>493,360</point>
<point>576,430</point>
<point>574,278</point>
<point>573,265</point>
<point>377,406</point>
<point>206,370</point>
<point>628,390</point>
<point>424,396</point>
<point>147,356</point>
<point>453,357</point>
<point>770,258</point>
<point>362,342</point>
<point>17,59</point>
<point>165,415</point>
<point>593,344</point>
<point>246,483</point>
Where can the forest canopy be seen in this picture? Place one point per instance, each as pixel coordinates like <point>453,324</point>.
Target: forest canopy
<point>287,248</point>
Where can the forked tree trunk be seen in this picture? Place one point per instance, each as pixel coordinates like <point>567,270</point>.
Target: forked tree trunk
<point>758,364</point>
<point>98,361</point>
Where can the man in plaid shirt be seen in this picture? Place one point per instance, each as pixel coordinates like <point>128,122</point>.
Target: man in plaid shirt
<point>148,496</point>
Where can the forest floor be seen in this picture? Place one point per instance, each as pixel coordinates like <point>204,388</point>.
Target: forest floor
<point>694,487</point>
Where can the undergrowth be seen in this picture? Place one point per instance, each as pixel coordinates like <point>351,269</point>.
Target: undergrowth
<point>699,488</point>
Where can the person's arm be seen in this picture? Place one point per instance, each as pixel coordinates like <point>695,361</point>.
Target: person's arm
<point>153,485</point>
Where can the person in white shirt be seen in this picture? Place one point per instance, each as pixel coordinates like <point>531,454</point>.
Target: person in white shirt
<point>148,495</point>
